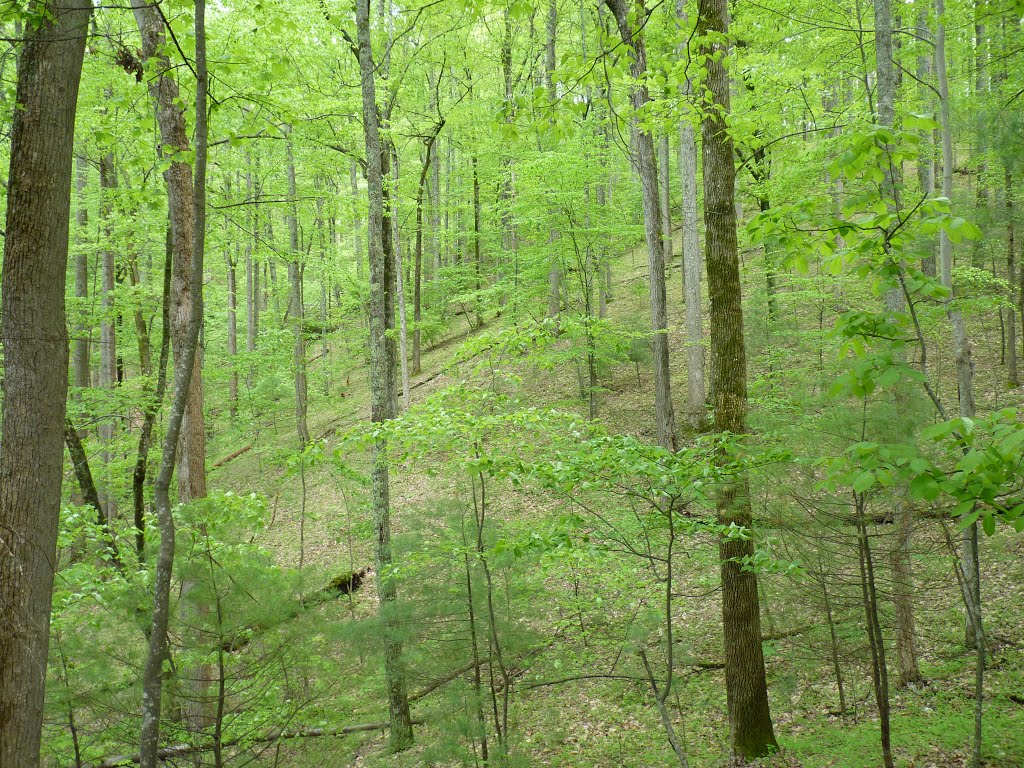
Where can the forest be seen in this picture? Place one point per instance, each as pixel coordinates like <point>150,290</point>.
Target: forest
<point>510,383</point>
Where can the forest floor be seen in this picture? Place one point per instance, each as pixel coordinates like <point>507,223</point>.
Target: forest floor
<point>599,721</point>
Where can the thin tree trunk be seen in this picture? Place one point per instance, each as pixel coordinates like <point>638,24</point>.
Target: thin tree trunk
<point>555,270</point>
<point>1011,269</point>
<point>252,277</point>
<point>644,162</point>
<point>885,111</point>
<point>903,597</point>
<point>664,180</point>
<point>961,342</point>
<point>80,349</point>
<point>750,724</point>
<point>396,246</point>
<point>296,310</point>
<point>926,160</point>
<point>108,334</point>
<point>695,366</point>
<point>152,408</point>
<point>35,345</point>
<point>357,222</point>
<point>382,391</point>
<point>184,365</point>
<point>232,332</point>
<point>879,668</point>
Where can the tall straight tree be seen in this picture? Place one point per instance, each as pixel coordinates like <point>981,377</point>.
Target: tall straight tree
<point>695,379</point>
<point>644,161</point>
<point>35,344</point>
<point>382,382</point>
<point>296,307</point>
<point>750,724</point>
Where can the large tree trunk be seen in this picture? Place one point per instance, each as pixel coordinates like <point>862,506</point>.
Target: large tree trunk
<point>35,345</point>
<point>382,385</point>
<point>644,162</point>
<point>750,723</point>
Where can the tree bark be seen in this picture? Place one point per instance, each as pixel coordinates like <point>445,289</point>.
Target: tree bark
<point>296,309</point>
<point>170,117</point>
<point>1011,270</point>
<point>550,61</point>
<point>252,276</point>
<point>644,162</point>
<point>664,180</point>
<point>750,724</point>
<point>80,349</point>
<point>695,377</point>
<point>108,324</point>
<point>35,344</point>
<point>382,385</point>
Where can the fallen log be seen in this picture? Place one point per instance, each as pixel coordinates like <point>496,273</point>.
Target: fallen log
<point>233,456</point>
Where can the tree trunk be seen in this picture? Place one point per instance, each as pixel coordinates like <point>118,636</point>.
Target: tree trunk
<point>885,112</point>
<point>35,345</point>
<point>695,380</point>
<point>1011,269</point>
<point>296,310</point>
<point>396,247</point>
<point>382,386</point>
<point>644,162</point>
<point>80,349</point>
<point>926,160</point>
<point>152,408</point>
<point>664,160</point>
<point>186,426</point>
<point>357,221</point>
<point>252,277</point>
<point>232,332</point>
<point>173,135</point>
<point>750,723</point>
<point>108,333</point>
<point>555,270</point>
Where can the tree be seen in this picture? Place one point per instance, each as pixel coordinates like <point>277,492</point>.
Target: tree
<point>643,159</point>
<point>382,380</point>
<point>35,344</point>
<point>750,724</point>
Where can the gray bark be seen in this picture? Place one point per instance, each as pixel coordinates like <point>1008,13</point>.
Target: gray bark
<point>80,349</point>
<point>296,310</point>
<point>643,160</point>
<point>692,263</point>
<point>382,385</point>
